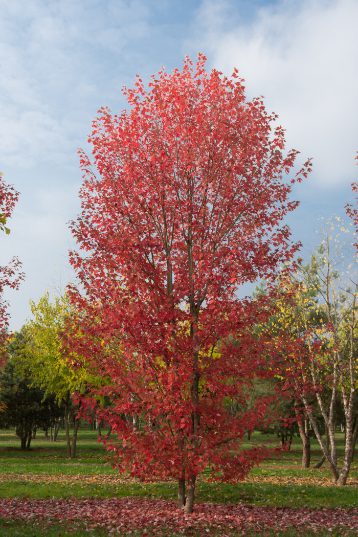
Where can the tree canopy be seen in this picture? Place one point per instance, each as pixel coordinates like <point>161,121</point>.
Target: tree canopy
<point>183,203</point>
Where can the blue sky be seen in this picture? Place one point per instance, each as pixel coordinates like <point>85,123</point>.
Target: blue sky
<point>61,60</point>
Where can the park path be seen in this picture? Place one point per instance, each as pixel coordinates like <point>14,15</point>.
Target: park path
<point>128,514</point>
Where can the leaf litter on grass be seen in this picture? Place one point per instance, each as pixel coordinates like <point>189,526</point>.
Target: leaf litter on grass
<point>113,479</point>
<point>134,514</point>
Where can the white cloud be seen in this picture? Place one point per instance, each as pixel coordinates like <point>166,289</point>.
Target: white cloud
<point>53,58</point>
<point>302,56</point>
<point>61,60</point>
<point>58,63</point>
<point>41,238</point>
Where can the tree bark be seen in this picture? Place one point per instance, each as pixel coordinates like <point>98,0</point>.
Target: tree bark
<point>349,448</point>
<point>323,446</point>
<point>56,430</point>
<point>181,492</point>
<point>76,424</point>
<point>355,436</point>
<point>68,436</point>
<point>306,443</point>
<point>190,497</point>
<point>25,438</point>
<point>320,462</point>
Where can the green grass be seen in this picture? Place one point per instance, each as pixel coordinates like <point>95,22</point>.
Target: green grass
<point>49,458</point>
<point>264,494</point>
<point>21,529</point>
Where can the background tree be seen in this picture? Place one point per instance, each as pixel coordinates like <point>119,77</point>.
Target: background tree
<point>8,199</point>
<point>318,358</point>
<point>293,307</point>
<point>44,360</point>
<point>23,407</point>
<point>10,275</point>
<point>183,205</point>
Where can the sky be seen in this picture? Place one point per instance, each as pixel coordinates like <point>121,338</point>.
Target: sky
<point>61,60</point>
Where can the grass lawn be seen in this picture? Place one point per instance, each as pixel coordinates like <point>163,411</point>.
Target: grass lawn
<point>19,529</point>
<point>46,472</point>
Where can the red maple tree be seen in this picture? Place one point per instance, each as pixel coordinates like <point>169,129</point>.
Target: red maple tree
<point>10,275</point>
<point>182,205</point>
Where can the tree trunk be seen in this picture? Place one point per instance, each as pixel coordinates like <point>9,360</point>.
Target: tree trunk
<point>332,442</point>
<point>194,311</point>
<point>322,445</point>
<point>355,436</point>
<point>56,430</point>
<point>181,492</point>
<point>306,443</point>
<point>71,441</point>
<point>190,498</point>
<point>348,451</point>
<point>28,441</point>
<point>320,462</point>
<point>99,428</point>
<point>68,436</point>
<point>290,438</point>
<point>23,442</point>
<point>76,425</point>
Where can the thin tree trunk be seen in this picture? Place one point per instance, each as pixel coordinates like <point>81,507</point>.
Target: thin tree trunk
<point>181,492</point>
<point>290,441</point>
<point>355,436</point>
<point>194,311</point>
<point>328,421</point>
<point>349,444</point>
<point>67,430</point>
<point>306,444</point>
<point>190,497</point>
<point>331,416</point>
<point>320,463</point>
<point>99,427</point>
<point>56,430</point>
<point>323,446</point>
<point>76,425</point>
<point>348,404</point>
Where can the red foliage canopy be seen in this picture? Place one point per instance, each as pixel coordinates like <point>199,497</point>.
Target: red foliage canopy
<point>183,205</point>
<point>9,274</point>
<point>8,199</point>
